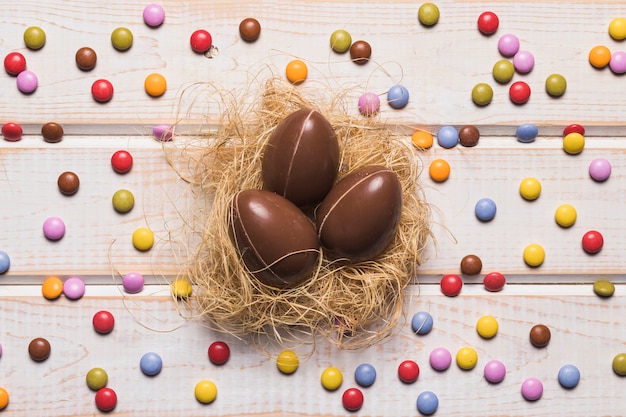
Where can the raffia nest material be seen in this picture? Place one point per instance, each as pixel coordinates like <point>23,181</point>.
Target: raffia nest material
<point>352,305</point>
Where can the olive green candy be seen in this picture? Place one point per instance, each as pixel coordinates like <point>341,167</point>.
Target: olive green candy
<point>503,71</point>
<point>34,37</point>
<point>603,288</point>
<point>428,14</point>
<point>340,41</point>
<point>556,85</point>
<point>482,94</point>
<point>123,201</point>
<point>619,364</point>
<point>122,38</point>
<point>96,378</point>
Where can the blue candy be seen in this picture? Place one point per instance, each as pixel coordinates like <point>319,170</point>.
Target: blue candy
<point>365,375</point>
<point>447,136</point>
<point>569,375</point>
<point>485,209</point>
<point>527,133</point>
<point>398,96</point>
<point>427,403</point>
<point>5,262</point>
<point>422,322</point>
<point>150,364</point>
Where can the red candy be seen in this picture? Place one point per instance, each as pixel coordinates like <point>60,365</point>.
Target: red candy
<point>451,285</point>
<point>574,128</point>
<point>106,399</point>
<point>219,352</point>
<point>352,399</point>
<point>592,241</point>
<point>122,162</point>
<point>102,91</point>
<point>519,92</point>
<point>408,371</point>
<point>494,281</point>
<point>103,322</point>
<point>14,63</point>
<point>12,132</point>
<point>488,23</point>
<point>201,41</point>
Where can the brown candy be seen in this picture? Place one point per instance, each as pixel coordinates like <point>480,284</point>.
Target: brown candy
<point>540,335</point>
<point>249,29</point>
<point>39,349</point>
<point>68,183</point>
<point>360,52</point>
<point>86,58</point>
<point>469,135</point>
<point>471,265</point>
<point>52,132</point>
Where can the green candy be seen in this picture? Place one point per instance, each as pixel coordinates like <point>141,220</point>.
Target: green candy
<point>603,288</point>
<point>503,71</point>
<point>428,14</point>
<point>556,85</point>
<point>97,378</point>
<point>123,201</point>
<point>34,37</point>
<point>482,94</point>
<point>122,38</point>
<point>340,41</point>
<point>619,364</point>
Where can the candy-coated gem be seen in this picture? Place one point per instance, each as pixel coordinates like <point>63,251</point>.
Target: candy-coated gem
<point>96,378</point>
<point>163,133</point>
<point>133,282</point>
<point>27,81</point>
<point>526,133</point>
<point>592,241</point>
<point>4,398</point>
<point>440,359</point>
<point>600,169</point>
<point>565,215</point>
<point>422,139</point>
<point>219,352</point>
<point>369,104</point>
<point>427,403</point>
<point>287,362</point>
<point>466,358</point>
<point>573,143</point>
<point>365,375</point>
<point>143,239</point>
<point>123,201</point>
<point>494,281</point>
<point>617,64</point>
<point>39,349</point>
<point>447,136</point>
<point>86,58</point>
<point>52,288</point>
<point>106,399</point>
<point>14,63</point>
<point>153,15</point>
<point>428,14</point>
<point>534,255</point>
<point>340,41</point>
<point>201,41</point>
<point>439,170</point>
<point>155,85</point>
<point>5,262</point>
<point>331,378</point>
<point>503,71</point>
<point>296,71</point>
<point>408,371</point>
<point>485,209</point>
<point>122,38</point>
<point>532,389</point>
<point>352,399</point>
<point>469,136</point>
<point>482,94</point>
<point>53,228</point>
<point>102,90</point>
<point>604,288</point>
<point>34,37</point>
<point>74,288</point>
<point>398,96</point>
<point>556,85</point>
<point>360,52</point>
<point>508,44</point>
<point>11,132</point>
<point>599,56</point>
<point>530,188</point>
<point>523,61</point>
<point>487,327</point>
<point>540,335</point>
<point>617,28</point>
<point>121,161</point>
<point>249,29</point>
<point>150,363</point>
<point>451,285</point>
<point>205,391</point>
<point>68,183</point>
<point>569,376</point>
<point>494,371</point>
<point>488,23</point>
<point>471,265</point>
<point>181,288</point>
<point>103,322</point>
<point>519,92</point>
<point>619,364</point>
<point>574,127</point>
<point>422,323</point>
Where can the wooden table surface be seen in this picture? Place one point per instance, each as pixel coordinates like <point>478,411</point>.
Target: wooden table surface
<point>439,65</point>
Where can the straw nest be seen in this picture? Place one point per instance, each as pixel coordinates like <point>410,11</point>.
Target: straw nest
<point>353,305</point>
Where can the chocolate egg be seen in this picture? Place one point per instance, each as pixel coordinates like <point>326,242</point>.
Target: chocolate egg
<point>359,216</point>
<point>276,241</point>
<point>301,158</point>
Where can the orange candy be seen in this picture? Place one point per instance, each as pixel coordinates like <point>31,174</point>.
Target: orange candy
<point>155,85</point>
<point>52,288</point>
<point>599,56</point>
<point>422,139</point>
<point>439,170</point>
<point>296,71</point>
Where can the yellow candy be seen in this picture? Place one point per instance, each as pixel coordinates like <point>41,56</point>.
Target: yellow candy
<point>487,327</point>
<point>296,71</point>
<point>52,288</point>
<point>331,378</point>
<point>617,28</point>
<point>565,215</point>
<point>181,288</point>
<point>573,143</point>
<point>422,139</point>
<point>466,358</point>
<point>155,85</point>
<point>534,255</point>
<point>205,391</point>
<point>287,362</point>
<point>530,188</point>
<point>143,239</point>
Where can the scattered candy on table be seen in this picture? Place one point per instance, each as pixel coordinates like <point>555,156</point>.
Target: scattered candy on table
<point>526,133</point>
<point>68,183</point>
<point>469,136</point>
<point>556,85</point>
<point>163,133</point>
<point>485,209</point>
<point>52,288</point>
<point>365,375</point>
<point>122,38</point>
<point>534,255</point>
<point>133,282</point>
<point>617,64</point>
<point>102,90</point>
<point>360,52</point>
<point>408,371</point>
<point>428,14</point>
<point>143,239</point>
<point>471,265</point>
<point>427,402</point>
<point>121,161</point>
<point>617,28</point>
<point>532,389</point>
<point>181,288</point>
<point>447,136</point>
<point>530,188</point>
<point>369,104</point>
<point>508,45</point>
<point>12,132</point>
<point>52,132</point>
<point>74,288</point>
<point>205,391</point>
<point>488,23</point>
<point>53,228</point>
<point>574,127</point>
<point>466,358</point>
<point>619,364</point>
<point>123,201</point>
<point>422,323</point>
<point>331,378</point>
<point>287,362</point>
<point>4,398</point>
<point>523,61</point>
<point>96,378</point>
<point>540,335</point>
<point>440,359</point>
<point>439,170</point>
<point>487,327</point>
<point>106,399</point>
<point>86,58</point>
<point>422,139</point>
<point>296,71</point>
<point>155,85</point>
<point>201,41</point>
<point>503,71</point>
<point>14,63</point>
<point>519,92</point>
<point>599,56</point>
<point>103,322</point>
<point>39,349</point>
<point>150,363</point>
<point>573,143</point>
<point>5,262</point>
<point>451,285</point>
<point>569,376</point>
<point>604,288</point>
<point>482,94</point>
<point>352,399</point>
<point>494,371</point>
<point>219,353</point>
<point>340,41</point>
<point>494,281</point>
<point>398,96</point>
<point>249,29</point>
<point>34,37</point>
<point>153,15</point>
<point>565,215</point>
<point>592,241</point>
<point>27,81</point>
<point>600,169</point>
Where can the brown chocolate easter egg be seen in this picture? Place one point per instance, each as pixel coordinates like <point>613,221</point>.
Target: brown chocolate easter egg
<point>301,158</point>
<point>359,216</point>
<point>276,241</point>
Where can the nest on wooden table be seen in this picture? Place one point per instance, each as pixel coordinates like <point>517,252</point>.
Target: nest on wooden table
<point>353,305</point>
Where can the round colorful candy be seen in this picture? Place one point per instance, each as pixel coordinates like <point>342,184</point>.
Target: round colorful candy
<point>600,169</point>
<point>205,391</point>
<point>526,133</point>
<point>74,288</point>
<point>123,201</point>
<point>352,399</point>
<point>249,29</point>
<point>103,322</point>
<point>408,371</point>
<point>122,38</point>
<point>201,41</point>
<point>14,63</point>
<point>530,188</point>
<point>494,281</point>
<point>296,71</point>
<point>447,136</point>
<point>5,262</point>
<point>102,90</point>
<point>523,61</point>
<point>469,136</point>
<point>53,228</point>
<point>428,14</point>
<point>604,288</point>
<point>398,96</point>
<point>163,133</point>
<point>451,285</point>
<point>565,215</point>
<point>86,58</point>
<point>488,23</point>
<point>471,265</point>
<point>617,64</point>
<point>540,335</point>
<point>340,41</point>
<point>181,288</point>
<point>68,183</point>
<point>592,241</point>
<point>519,92</point>
<point>96,378</point>
<point>440,359</point>
<point>287,362</point>
<point>532,389</point>
<point>494,371</point>
<point>482,94</point>
<point>422,323</point>
<point>12,132</point>
<point>599,56</point>
<point>52,132</point>
<point>365,375</point>
<point>153,15</point>
<point>27,82</point>
<point>485,209</point>
<point>52,288</point>
<point>508,45</point>
<point>369,104</point>
<point>568,376</point>
<point>503,71</point>
<point>151,363</point>
<point>466,358</point>
<point>427,403</point>
<point>619,364</point>
<point>106,399</point>
<point>617,28</point>
<point>143,239</point>
<point>534,255</point>
<point>439,170</point>
<point>360,52</point>
<point>219,352</point>
<point>133,282</point>
<point>556,85</point>
<point>39,349</point>
<point>422,139</point>
<point>155,85</point>
<point>34,37</point>
<point>331,378</point>
<point>574,127</point>
<point>121,161</point>
<point>573,143</point>
<point>487,327</point>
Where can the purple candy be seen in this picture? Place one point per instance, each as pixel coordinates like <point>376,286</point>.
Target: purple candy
<point>53,228</point>
<point>508,45</point>
<point>133,282</point>
<point>532,389</point>
<point>617,62</point>
<point>494,371</point>
<point>163,133</point>
<point>369,104</point>
<point>74,288</point>
<point>26,82</point>
<point>440,359</point>
<point>600,169</point>
<point>153,15</point>
<point>523,61</point>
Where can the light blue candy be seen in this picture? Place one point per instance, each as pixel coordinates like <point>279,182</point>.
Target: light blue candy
<point>150,363</point>
<point>422,323</point>
<point>527,133</point>
<point>569,375</point>
<point>5,262</point>
<point>398,96</point>
<point>485,209</point>
<point>427,403</point>
<point>447,136</point>
<point>365,375</point>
